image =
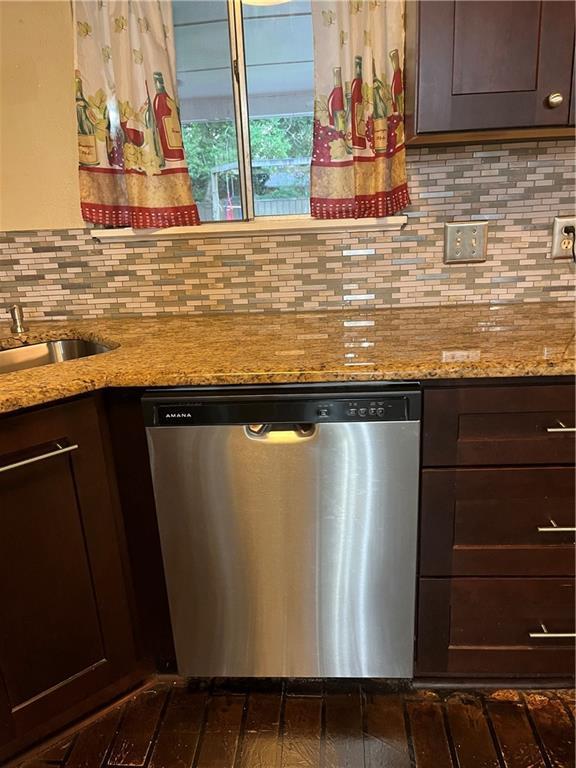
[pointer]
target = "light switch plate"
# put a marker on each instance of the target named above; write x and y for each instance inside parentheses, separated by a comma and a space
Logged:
(559, 238)
(465, 241)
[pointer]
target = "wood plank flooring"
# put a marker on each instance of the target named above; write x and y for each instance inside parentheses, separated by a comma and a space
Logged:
(315, 724)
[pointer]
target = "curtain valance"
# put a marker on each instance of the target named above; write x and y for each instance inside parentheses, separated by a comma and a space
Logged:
(133, 172)
(358, 160)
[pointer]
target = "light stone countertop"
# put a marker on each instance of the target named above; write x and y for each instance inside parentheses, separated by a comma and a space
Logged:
(413, 343)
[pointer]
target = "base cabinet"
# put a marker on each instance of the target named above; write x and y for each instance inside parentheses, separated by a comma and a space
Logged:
(496, 586)
(495, 590)
(65, 619)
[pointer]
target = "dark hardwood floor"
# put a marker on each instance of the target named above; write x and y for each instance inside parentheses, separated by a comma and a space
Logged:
(308, 724)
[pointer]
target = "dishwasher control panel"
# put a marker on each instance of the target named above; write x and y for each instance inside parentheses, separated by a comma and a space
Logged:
(168, 410)
(360, 409)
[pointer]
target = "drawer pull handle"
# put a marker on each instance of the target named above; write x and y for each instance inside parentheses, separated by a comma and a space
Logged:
(554, 528)
(551, 635)
(560, 428)
(58, 452)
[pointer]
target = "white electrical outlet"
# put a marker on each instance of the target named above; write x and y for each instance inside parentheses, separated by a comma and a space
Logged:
(561, 241)
(465, 241)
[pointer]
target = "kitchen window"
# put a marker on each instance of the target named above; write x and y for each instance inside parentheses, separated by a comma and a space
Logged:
(245, 79)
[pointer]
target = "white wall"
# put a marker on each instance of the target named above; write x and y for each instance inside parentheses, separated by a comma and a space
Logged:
(38, 161)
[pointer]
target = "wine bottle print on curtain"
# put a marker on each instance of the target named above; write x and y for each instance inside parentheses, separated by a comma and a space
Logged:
(153, 133)
(358, 159)
(87, 146)
(379, 113)
(336, 107)
(167, 120)
(357, 122)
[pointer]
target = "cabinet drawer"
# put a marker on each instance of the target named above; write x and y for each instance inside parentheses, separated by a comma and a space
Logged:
(499, 425)
(482, 627)
(497, 522)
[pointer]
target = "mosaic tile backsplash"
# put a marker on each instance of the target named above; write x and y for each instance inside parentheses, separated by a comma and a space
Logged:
(518, 188)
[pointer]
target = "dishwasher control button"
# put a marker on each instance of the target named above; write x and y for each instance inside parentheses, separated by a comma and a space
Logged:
(372, 411)
(323, 412)
(380, 411)
(351, 412)
(362, 411)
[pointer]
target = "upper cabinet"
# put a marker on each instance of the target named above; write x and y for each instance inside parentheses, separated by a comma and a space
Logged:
(498, 69)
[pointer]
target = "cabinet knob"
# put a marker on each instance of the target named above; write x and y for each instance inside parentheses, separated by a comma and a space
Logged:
(554, 100)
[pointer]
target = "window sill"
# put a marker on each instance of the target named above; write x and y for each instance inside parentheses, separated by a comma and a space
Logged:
(261, 226)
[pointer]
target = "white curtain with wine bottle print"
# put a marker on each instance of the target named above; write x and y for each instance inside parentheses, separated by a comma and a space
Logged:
(133, 172)
(358, 167)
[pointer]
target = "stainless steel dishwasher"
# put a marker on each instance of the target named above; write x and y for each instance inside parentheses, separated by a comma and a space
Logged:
(288, 525)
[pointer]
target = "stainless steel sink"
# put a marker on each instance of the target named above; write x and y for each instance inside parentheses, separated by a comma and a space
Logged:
(44, 353)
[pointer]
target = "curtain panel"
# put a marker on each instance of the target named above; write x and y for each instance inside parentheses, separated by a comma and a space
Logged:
(133, 172)
(358, 166)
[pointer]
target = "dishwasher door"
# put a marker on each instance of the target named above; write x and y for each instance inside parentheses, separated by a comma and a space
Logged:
(289, 553)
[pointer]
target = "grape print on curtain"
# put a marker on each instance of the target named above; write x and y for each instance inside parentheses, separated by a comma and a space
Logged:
(358, 167)
(131, 158)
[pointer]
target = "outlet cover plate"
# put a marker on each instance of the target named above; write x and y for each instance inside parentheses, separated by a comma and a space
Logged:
(557, 252)
(465, 242)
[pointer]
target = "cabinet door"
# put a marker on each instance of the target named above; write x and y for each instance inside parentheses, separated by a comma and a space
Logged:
(65, 621)
(484, 65)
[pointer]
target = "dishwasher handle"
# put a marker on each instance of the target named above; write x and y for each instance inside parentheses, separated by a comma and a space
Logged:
(262, 431)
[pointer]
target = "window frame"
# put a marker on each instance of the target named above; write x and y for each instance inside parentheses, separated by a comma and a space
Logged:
(250, 224)
(236, 33)
(238, 78)
(241, 114)
(261, 226)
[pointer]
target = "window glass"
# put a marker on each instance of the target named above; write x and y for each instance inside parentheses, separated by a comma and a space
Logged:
(280, 72)
(204, 77)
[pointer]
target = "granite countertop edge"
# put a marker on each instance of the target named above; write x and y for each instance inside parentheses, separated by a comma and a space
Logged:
(76, 388)
(196, 350)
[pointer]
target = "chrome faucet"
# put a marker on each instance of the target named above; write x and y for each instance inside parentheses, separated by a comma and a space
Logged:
(17, 315)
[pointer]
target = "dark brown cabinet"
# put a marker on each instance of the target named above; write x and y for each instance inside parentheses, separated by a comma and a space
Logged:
(496, 587)
(474, 627)
(475, 65)
(498, 426)
(65, 621)
(511, 522)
